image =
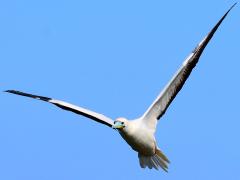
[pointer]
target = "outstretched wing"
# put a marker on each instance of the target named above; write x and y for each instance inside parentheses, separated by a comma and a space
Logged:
(160, 105)
(69, 107)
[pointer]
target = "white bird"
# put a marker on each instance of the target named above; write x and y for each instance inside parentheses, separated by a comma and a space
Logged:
(139, 133)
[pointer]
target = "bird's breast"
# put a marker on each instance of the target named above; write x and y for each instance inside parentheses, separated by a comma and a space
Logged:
(141, 140)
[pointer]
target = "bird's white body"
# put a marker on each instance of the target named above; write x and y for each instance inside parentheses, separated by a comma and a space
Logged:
(142, 140)
(139, 137)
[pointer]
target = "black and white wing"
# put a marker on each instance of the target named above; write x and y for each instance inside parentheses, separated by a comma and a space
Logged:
(160, 105)
(69, 107)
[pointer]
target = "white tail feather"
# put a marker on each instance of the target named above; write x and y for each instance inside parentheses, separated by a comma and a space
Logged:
(155, 161)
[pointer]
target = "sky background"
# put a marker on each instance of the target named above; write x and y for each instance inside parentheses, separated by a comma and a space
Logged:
(114, 57)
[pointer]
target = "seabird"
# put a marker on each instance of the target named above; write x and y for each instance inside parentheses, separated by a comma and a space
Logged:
(140, 133)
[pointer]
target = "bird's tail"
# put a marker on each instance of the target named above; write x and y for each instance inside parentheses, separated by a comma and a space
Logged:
(155, 161)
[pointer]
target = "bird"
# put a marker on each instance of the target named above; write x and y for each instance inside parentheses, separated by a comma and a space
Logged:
(139, 133)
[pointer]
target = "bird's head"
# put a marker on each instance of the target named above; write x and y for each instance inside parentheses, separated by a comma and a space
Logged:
(120, 123)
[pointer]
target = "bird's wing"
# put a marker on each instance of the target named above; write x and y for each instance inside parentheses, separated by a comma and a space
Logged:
(160, 105)
(69, 107)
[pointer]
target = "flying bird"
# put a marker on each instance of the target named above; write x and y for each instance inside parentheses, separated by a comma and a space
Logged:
(140, 133)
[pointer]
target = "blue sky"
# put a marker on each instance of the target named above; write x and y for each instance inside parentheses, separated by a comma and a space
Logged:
(114, 57)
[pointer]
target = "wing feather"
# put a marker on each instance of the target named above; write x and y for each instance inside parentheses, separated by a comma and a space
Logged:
(69, 107)
(162, 102)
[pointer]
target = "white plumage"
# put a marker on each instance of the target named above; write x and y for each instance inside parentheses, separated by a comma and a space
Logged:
(140, 133)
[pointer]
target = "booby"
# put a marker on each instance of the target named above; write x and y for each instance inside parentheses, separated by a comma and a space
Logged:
(140, 133)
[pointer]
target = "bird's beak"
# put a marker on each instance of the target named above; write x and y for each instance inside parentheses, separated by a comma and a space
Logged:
(118, 125)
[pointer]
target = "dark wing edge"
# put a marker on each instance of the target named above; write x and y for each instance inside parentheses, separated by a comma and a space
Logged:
(69, 107)
(162, 102)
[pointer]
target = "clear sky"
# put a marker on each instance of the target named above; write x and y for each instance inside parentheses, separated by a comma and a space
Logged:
(114, 57)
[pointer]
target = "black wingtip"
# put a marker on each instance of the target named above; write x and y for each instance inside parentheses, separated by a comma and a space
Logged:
(28, 95)
(220, 21)
(229, 10)
(199, 49)
(9, 91)
(234, 5)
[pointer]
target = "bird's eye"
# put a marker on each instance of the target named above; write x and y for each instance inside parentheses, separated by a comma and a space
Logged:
(122, 122)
